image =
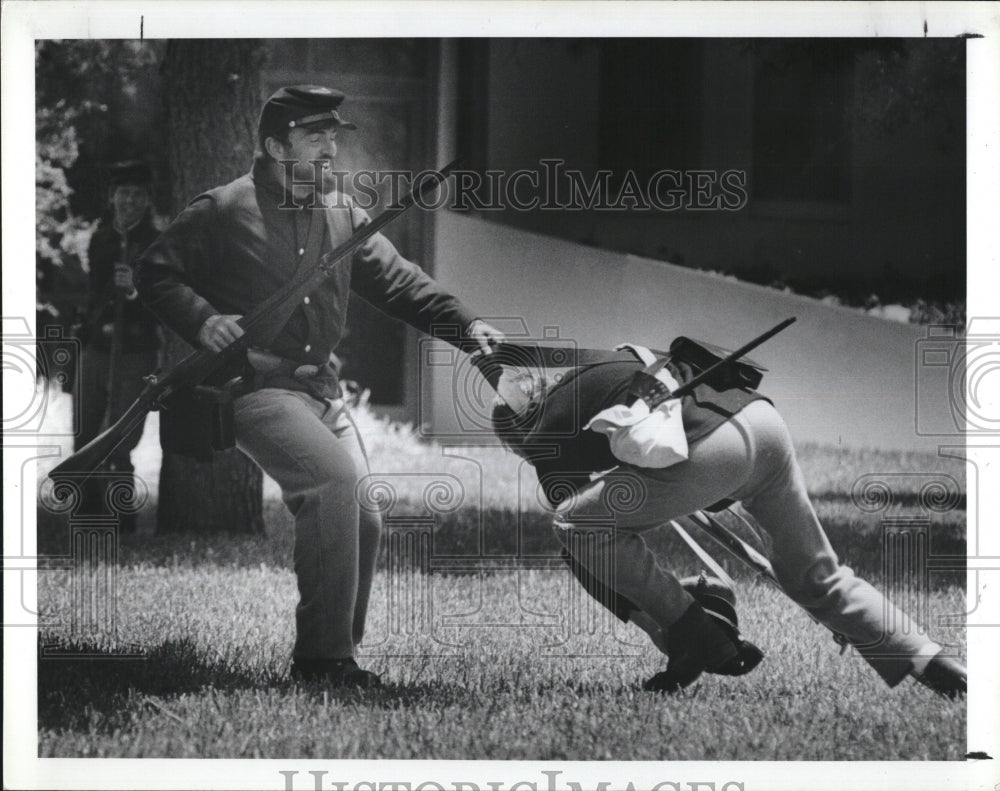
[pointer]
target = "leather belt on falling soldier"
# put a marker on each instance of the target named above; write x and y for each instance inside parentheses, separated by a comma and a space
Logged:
(743, 372)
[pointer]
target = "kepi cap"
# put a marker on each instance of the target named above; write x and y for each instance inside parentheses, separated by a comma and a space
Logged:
(131, 171)
(300, 105)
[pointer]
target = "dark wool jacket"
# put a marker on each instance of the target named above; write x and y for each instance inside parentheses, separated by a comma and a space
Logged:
(107, 248)
(564, 454)
(233, 247)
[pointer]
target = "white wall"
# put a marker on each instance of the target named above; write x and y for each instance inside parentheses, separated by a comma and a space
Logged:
(836, 375)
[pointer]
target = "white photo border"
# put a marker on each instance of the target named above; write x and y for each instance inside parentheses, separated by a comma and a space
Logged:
(23, 22)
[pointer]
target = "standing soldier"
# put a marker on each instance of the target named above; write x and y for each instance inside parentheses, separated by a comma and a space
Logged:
(121, 338)
(229, 250)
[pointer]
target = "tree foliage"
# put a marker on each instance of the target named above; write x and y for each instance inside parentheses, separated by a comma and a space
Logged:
(92, 98)
(59, 231)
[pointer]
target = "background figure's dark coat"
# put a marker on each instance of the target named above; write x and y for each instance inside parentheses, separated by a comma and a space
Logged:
(140, 328)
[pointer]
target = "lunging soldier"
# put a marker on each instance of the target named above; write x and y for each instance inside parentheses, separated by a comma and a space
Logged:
(616, 456)
(226, 252)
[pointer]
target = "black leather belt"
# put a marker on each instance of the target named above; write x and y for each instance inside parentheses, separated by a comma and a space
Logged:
(742, 373)
(267, 369)
(270, 364)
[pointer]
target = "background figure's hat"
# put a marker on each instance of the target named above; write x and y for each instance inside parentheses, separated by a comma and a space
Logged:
(300, 105)
(131, 171)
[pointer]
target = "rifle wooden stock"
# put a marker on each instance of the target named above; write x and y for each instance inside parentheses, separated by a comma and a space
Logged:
(201, 364)
(92, 455)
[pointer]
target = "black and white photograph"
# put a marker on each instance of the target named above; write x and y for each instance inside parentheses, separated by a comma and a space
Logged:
(506, 396)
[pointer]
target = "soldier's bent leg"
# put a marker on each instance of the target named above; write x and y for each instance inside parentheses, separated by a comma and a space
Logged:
(616, 554)
(369, 527)
(312, 452)
(629, 500)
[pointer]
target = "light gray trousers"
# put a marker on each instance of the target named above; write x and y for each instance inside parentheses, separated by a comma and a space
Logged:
(312, 450)
(748, 458)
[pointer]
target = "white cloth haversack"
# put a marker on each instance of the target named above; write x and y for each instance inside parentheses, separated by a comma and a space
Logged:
(642, 437)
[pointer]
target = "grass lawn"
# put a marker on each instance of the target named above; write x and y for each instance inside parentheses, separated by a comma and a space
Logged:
(491, 651)
(510, 665)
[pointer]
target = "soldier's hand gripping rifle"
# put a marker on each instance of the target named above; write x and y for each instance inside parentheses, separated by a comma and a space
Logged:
(201, 364)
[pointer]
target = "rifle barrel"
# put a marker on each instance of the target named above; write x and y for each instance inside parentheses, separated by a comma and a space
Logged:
(200, 364)
(307, 281)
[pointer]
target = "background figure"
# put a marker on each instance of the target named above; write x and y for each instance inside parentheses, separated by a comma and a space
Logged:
(121, 338)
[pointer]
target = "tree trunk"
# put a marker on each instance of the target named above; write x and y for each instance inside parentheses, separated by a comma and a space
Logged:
(212, 100)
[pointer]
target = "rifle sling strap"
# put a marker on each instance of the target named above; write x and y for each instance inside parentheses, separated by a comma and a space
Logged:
(275, 322)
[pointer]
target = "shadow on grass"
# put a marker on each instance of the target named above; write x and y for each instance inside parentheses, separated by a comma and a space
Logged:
(418, 694)
(76, 681)
(394, 696)
(81, 686)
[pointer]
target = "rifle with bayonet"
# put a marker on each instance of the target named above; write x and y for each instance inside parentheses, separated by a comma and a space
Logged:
(200, 365)
(654, 392)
